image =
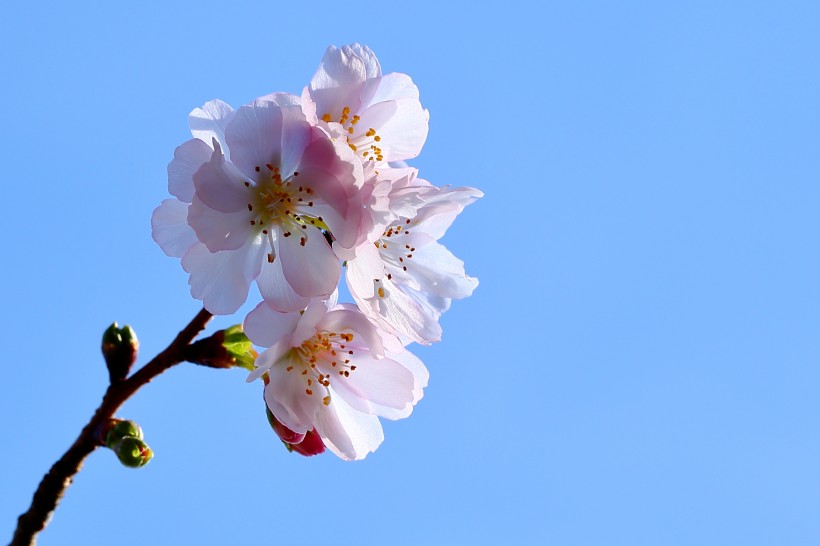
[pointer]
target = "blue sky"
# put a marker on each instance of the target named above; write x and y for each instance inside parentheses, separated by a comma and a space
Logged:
(638, 366)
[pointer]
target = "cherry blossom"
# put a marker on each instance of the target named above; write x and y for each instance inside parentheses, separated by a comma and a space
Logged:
(330, 369)
(263, 200)
(283, 190)
(379, 115)
(404, 279)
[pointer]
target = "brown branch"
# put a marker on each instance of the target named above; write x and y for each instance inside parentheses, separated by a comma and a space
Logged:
(54, 484)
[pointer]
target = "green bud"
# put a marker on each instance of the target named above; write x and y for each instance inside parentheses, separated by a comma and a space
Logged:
(120, 429)
(239, 347)
(133, 452)
(120, 347)
(225, 349)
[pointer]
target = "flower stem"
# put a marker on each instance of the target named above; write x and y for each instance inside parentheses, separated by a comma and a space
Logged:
(59, 477)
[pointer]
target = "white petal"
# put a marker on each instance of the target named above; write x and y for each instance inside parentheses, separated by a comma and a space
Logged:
(372, 68)
(404, 133)
(341, 67)
(400, 313)
(395, 86)
(208, 123)
(333, 299)
(420, 373)
(363, 271)
(348, 433)
(282, 99)
(439, 272)
(170, 229)
(442, 205)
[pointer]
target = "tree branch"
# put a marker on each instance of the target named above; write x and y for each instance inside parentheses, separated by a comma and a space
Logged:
(59, 477)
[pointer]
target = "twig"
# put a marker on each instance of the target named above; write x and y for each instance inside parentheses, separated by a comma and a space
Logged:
(53, 485)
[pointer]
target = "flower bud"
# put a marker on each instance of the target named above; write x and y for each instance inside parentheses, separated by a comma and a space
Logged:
(120, 347)
(311, 445)
(225, 349)
(133, 452)
(284, 433)
(119, 429)
(307, 444)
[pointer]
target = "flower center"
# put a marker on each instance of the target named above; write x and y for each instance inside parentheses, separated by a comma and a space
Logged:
(393, 251)
(282, 203)
(325, 355)
(365, 142)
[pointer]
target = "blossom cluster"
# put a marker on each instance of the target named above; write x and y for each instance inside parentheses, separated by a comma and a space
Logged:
(292, 193)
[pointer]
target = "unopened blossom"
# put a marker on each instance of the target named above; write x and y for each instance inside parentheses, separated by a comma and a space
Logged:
(332, 370)
(379, 116)
(404, 279)
(307, 444)
(262, 200)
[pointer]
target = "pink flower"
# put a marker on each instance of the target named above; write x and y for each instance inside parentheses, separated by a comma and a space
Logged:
(380, 116)
(261, 200)
(403, 279)
(332, 370)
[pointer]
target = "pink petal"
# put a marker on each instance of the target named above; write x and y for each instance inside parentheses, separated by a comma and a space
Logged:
(341, 319)
(275, 289)
(264, 326)
(222, 279)
(265, 133)
(220, 230)
(220, 186)
(297, 134)
(268, 358)
(309, 264)
(385, 386)
(287, 400)
(306, 328)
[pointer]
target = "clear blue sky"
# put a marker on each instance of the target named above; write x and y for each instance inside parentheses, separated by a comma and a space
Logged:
(639, 365)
